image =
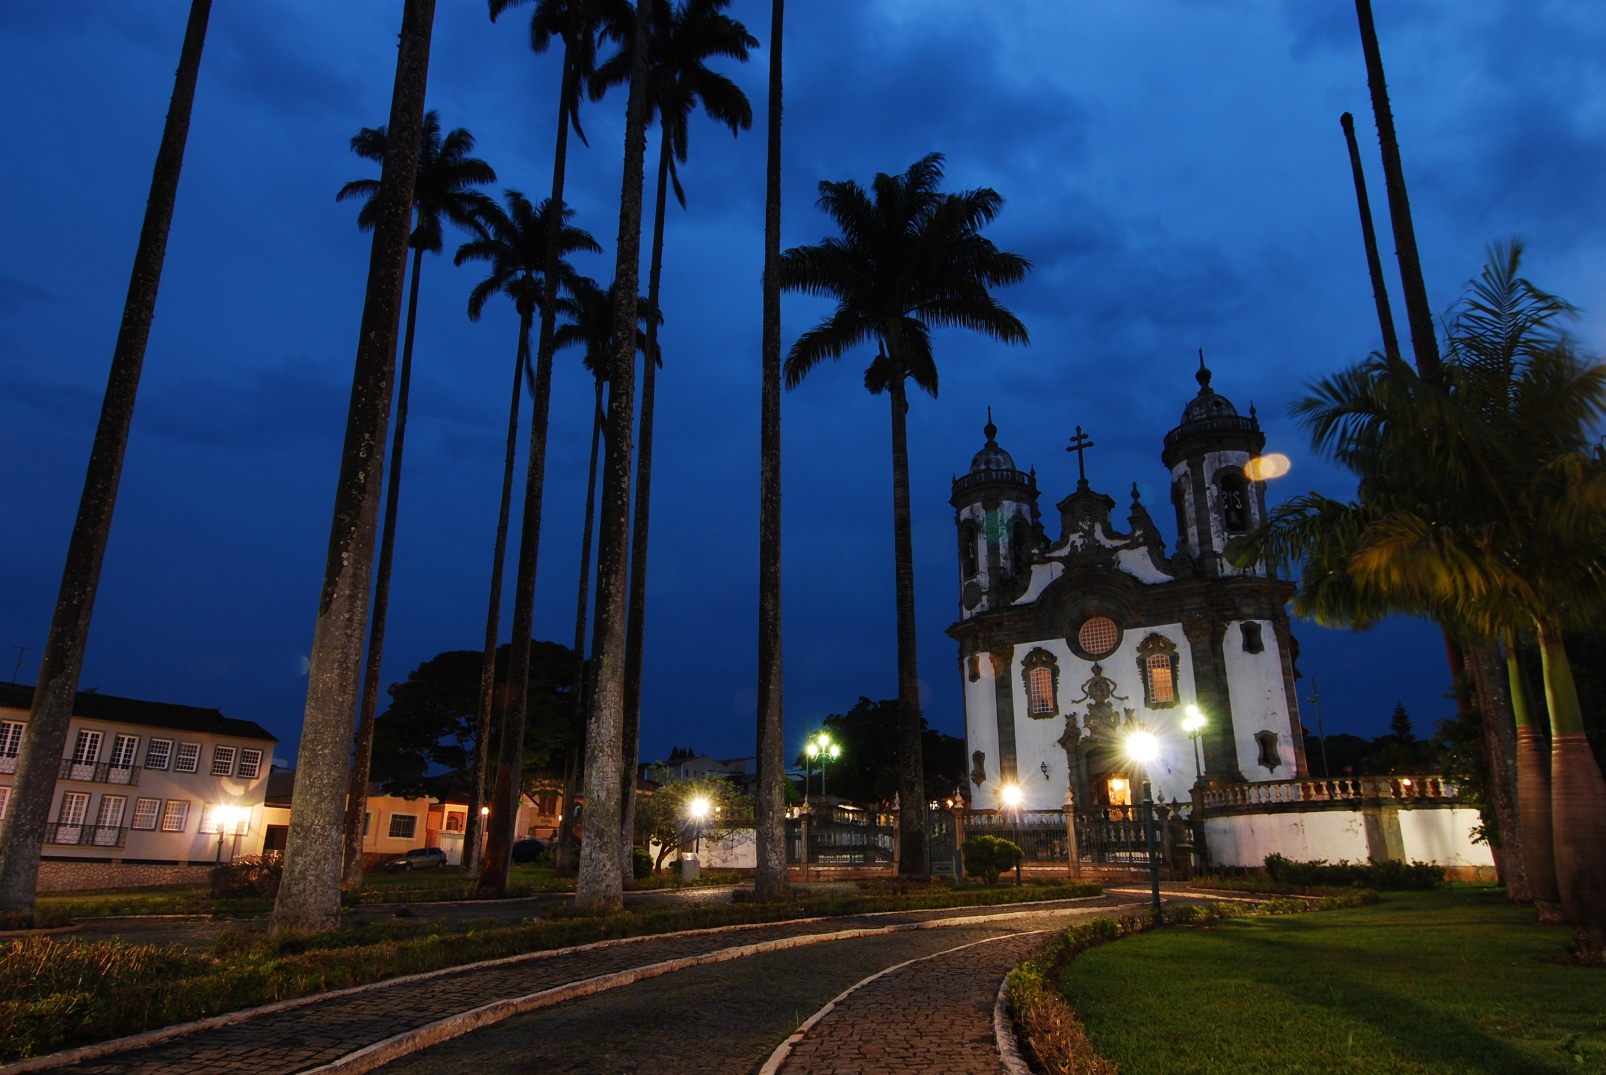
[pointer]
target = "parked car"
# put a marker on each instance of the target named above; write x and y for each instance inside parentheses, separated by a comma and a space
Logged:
(528, 850)
(419, 858)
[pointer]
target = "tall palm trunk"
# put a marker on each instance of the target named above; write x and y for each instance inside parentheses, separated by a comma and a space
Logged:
(1419, 316)
(1533, 794)
(770, 881)
(493, 615)
(601, 883)
(309, 893)
(505, 797)
(911, 782)
(363, 752)
(1577, 806)
(1500, 751)
(22, 832)
(577, 710)
(1374, 263)
(635, 621)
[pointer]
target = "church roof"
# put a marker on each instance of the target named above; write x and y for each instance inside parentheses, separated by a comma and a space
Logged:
(1210, 421)
(991, 456)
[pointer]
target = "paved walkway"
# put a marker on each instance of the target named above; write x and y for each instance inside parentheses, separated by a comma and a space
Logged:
(317, 1033)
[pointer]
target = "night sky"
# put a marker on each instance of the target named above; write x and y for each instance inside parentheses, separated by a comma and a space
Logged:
(1174, 169)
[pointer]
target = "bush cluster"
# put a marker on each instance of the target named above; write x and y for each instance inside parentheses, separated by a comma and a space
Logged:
(988, 856)
(1380, 876)
(248, 876)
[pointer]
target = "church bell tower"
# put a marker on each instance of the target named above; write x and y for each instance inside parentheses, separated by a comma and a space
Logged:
(995, 509)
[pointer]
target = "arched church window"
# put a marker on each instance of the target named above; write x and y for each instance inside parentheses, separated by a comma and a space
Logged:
(969, 557)
(1234, 493)
(1157, 661)
(1269, 757)
(1253, 643)
(1020, 544)
(1042, 673)
(1098, 636)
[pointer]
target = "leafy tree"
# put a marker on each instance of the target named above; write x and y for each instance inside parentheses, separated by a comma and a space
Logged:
(681, 38)
(432, 721)
(666, 815)
(867, 772)
(22, 832)
(445, 187)
(579, 24)
(909, 258)
(515, 244)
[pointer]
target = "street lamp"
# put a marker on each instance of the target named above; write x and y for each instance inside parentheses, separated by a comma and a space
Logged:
(1194, 724)
(1143, 748)
(811, 750)
(225, 818)
(1011, 794)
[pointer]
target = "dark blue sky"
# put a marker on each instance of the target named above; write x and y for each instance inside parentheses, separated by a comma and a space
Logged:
(1173, 168)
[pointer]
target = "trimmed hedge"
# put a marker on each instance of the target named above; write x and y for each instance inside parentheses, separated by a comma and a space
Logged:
(1382, 876)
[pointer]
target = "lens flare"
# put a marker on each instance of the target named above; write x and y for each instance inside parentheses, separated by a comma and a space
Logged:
(1266, 467)
(1142, 747)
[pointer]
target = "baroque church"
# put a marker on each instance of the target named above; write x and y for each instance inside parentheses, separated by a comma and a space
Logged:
(1069, 645)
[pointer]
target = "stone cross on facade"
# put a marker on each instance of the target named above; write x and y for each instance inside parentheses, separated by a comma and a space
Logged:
(1080, 444)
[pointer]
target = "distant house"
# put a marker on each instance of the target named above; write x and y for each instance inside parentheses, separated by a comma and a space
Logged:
(148, 783)
(745, 770)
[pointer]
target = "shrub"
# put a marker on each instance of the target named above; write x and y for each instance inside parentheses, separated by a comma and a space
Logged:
(988, 856)
(41, 917)
(249, 875)
(1383, 876)
(640, 864)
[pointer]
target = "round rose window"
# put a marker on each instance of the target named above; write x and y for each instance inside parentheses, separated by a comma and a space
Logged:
(1098, 636)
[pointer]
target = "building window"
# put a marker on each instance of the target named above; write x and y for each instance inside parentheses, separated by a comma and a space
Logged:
(1269, 757)
(5, 801)
(969, 554)
(1020, 545)
(1098, 636)
(145, 811)
(74, 805)
(222, 761)
(454, 822)
(10, 739)
(86, 751)
(250, 764)
(157, 753)
(109, 820)
(188, 758)
(1253, 643)
(125, 748)
(1157, 663)
(402, 826)
(1041, 672)
(176, 816)
(1234, 495)
(367, 818)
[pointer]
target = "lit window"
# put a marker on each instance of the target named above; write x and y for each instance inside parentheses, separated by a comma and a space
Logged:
(145, 812)
(250, 764)
(1040, 672)
(454, 822)
(158, 753)
(1098, 636)
(222, 761)
(402, 826)
(188, 758)
(1120, 790)
(1042, 681)
(176, 816)
(1161, 688)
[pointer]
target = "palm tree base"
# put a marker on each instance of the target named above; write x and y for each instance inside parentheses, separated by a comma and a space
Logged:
(1579, 808)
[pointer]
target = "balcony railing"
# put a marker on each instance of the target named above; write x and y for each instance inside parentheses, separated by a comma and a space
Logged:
(1221, 423)
(1349, 792)
(98, 773)
(986, 477)
(86, 835)
(8, 763)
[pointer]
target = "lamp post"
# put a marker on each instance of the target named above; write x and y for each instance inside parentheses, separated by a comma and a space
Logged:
(1011, 795)
(225, 817)
(1194, 725)
(811, 750)
(1143, 748)
(1321, 734)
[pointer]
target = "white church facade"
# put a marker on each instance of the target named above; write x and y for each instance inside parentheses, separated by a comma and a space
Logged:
(1069, 646)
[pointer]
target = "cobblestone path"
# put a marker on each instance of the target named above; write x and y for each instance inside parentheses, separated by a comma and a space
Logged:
(293, 1040)
(932, 1016)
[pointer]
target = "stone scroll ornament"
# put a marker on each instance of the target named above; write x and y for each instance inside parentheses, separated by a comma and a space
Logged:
(1097, 693)
(978, 771)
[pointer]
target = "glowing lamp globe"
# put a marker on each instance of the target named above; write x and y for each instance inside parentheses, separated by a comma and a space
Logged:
(812, 750)
(1193, 721)
(698, 808)
(1011, 795)
(1142, 747)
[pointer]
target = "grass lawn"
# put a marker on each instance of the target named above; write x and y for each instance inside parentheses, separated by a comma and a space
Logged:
(1430, 982)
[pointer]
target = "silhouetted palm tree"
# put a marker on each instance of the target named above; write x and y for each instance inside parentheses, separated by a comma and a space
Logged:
(22, 832)
(910, 258)
(601, 881)
(515, 244)
(309, 891)
(769, 811)
(578, 24)
(683, 38)
(445, 187)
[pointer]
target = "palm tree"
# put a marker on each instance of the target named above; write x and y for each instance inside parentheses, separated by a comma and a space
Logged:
(516, 243)
(447, 176)
(309, 892)
(601, 882)
(578, 24)
(909, 258)
(591, 329)
(683, 37)
(769, 814)
(23, 830)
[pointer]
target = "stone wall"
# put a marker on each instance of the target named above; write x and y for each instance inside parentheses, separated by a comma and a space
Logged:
(57, 875)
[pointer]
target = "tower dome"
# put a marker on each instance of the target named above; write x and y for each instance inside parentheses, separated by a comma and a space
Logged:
(991, 456)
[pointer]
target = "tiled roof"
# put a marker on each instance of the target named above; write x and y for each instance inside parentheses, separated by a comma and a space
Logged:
(114, 710)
